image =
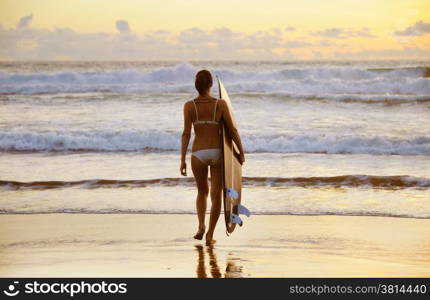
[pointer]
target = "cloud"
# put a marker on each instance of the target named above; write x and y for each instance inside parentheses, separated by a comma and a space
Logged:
(277, 30)
(419, 28)
(24, 21)
(192, 43)
(195, 43)
(290, 28)
(326, 43)
(296, 44)
(227, 40)
(122, 26)
(389, 53)
(342, 33)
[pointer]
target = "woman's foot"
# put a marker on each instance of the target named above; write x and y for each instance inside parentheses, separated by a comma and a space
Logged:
(200, 233)
(209, 240)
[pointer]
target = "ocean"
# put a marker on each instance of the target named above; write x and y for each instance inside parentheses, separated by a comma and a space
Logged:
(321, 138)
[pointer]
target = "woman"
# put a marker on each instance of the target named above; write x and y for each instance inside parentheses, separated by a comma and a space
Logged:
(206, 114)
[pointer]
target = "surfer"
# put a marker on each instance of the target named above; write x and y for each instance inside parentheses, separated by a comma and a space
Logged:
(206, 113)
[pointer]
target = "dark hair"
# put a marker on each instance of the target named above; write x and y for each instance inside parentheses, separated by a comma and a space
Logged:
(203, 81)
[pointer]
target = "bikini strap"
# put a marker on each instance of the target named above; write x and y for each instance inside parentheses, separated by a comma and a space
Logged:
(205, 122)
(195, 107)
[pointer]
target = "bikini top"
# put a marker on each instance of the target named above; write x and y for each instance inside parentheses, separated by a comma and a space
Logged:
(205, 121)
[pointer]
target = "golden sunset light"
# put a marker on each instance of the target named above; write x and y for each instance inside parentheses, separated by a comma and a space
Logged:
(215, 139)
(194, 29)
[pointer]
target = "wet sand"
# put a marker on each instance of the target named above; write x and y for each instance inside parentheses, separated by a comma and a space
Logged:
(138, 245)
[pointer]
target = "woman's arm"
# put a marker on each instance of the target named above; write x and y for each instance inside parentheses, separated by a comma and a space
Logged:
(232, 129)
(186, 135)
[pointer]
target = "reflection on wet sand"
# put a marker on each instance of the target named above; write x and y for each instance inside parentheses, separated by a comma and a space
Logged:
(232, 270)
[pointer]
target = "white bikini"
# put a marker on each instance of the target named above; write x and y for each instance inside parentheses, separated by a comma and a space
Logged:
(211, 155)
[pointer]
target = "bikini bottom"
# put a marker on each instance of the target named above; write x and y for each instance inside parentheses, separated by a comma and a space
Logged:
(208, 156)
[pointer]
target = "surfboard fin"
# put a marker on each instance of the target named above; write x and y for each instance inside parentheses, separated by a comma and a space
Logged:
(243, 210)
(236, 219)
(232, 193)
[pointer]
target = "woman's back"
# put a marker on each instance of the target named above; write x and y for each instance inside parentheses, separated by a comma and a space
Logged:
(206, 115)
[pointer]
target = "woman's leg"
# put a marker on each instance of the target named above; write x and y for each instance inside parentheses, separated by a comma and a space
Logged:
(216, 199)
(200, 171)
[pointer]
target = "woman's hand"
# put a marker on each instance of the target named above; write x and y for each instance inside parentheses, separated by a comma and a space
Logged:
(183, 168)
(242, 158)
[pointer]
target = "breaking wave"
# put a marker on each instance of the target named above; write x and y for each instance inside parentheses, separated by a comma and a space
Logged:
(364, 181)
(334, 80)
(101, 141)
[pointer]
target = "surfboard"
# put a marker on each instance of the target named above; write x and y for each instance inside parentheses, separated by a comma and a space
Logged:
(231, 170)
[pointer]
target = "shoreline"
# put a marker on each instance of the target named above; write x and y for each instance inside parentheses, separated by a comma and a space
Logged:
(207, 213)
(147, 245)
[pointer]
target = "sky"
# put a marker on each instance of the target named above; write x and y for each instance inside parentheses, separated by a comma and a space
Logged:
(214, 30)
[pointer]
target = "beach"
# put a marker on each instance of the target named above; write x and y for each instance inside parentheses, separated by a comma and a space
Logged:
(139, 245)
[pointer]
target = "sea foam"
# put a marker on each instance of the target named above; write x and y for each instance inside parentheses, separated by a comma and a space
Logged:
(329, 80)
(95, 141)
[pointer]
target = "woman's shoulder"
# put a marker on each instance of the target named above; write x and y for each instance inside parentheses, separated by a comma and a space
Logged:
(222, 103)
(188, 107)
(188, 103)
